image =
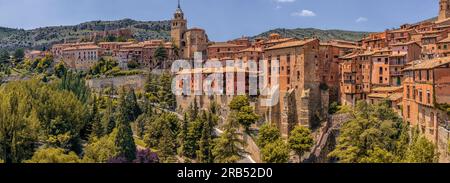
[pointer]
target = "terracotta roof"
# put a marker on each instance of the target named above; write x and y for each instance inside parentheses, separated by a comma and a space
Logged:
(387, 89)
(391, 97)
(254, 49)
(223, 44)
(279, 40)
(213, 70)
(446, 40)
(85, 47)
(401, 54)
(395, 96)
(378, 95)
(400, 30)
(406, 43)
(429, 64)
(291, 44)
(119, 43)
(349, 56)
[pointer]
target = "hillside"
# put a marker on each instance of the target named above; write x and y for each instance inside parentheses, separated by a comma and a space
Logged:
(40, 38)
(323, 35)
(44, 37)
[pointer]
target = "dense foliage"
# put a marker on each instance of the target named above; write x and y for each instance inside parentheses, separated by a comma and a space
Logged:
(376, 134)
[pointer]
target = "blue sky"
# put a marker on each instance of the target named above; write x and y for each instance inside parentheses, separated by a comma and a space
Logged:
(224, 19)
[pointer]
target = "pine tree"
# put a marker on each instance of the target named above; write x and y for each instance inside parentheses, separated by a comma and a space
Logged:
(124, 141)
(167, 146)
(183, 135)
(108, 118)
(132, 107)
(97, 127)
(204, 154)
(228, 148)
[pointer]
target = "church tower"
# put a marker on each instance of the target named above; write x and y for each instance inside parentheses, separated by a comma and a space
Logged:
(178, 27)
(444, 10)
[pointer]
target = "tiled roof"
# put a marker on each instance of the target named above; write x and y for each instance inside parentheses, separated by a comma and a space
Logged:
(279, 40)
(223, 44)
(290, 44)
(404, 44)
(254, 49)
(446, 40)
(429, 64)
(387, 89)
(85, 47)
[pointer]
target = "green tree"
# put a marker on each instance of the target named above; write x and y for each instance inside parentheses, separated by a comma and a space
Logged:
(183, 136)
(204, 154)
(151, 87)
(300, 140)
(422, 151)
(18, 124)
(378, 155)
(60, 69)
(160, 55)
(132, 109)
(97, 129)
(4, 57)
(228, 148)
(19, 54)
(54, 155)
(124, 141)
(247, 116)
(275, 152)
(108, 119)
(75, 83)
(167, 98)
(132, 64)
(267, 133)
(244, 113)
(373, 130)
(239, 102)
(167, 146)
(101, 150)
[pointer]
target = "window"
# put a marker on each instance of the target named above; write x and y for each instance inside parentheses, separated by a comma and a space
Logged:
(428, 75)
(428, 97)
(408, 112)
(288, 59)
(408, 92)
(381, 70)
(420, 95)
(381, 79)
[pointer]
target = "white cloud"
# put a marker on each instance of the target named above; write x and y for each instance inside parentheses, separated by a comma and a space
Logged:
(304, 13)
(362, 19)
(278, 7)
(284, 1)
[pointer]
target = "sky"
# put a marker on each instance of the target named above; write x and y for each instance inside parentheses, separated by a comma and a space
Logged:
(224, 19)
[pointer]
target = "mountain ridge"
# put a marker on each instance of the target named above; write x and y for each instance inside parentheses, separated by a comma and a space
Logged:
(44, 37)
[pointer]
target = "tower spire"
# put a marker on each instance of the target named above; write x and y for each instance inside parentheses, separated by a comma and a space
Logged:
(179, 4)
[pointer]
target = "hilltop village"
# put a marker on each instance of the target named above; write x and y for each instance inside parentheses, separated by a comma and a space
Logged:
(408, 67)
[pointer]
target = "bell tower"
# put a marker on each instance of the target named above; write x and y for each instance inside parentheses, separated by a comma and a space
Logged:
(444, 9)
(178, 26)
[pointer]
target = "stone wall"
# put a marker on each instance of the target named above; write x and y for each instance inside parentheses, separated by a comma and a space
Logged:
(443, 138)
(136, 82)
